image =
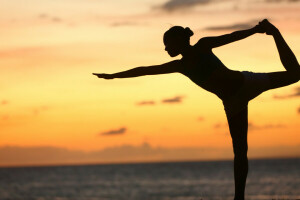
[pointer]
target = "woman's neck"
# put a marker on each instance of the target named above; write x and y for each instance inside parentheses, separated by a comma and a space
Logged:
(187, 51)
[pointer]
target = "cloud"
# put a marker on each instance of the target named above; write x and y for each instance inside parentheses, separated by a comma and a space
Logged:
(220, 125)
(177, 99)
(295, 94)
(44, 16)
(14, 155)
(25, 51)
(252, 126)
(56, 19)
(142, 103)
(4, 102)
(274, 1)
(115, 132)
(237, 26)
(125, 23)
(174, 5)
(4, 117)
(201, 118)
(38, 110)
(45, 155)
(279, 1)
(50, 55)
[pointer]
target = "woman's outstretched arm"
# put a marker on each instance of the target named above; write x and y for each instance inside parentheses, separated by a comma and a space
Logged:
(169, 67)
(217, 41)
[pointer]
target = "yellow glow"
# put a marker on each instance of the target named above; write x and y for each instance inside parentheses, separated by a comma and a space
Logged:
(51, 98)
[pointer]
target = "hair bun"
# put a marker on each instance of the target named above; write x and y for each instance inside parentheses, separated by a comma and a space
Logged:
(188, 31)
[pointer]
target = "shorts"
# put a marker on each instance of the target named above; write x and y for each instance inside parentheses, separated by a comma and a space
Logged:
(254, 84)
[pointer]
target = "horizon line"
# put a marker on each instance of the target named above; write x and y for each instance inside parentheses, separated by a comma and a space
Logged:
(138, 162)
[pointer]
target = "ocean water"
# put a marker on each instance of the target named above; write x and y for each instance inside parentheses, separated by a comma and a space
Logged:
(268, 179)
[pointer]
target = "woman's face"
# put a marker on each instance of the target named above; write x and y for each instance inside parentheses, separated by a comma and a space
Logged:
(172, 46)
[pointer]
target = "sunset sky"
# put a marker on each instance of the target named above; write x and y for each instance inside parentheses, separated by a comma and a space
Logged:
(54, 111)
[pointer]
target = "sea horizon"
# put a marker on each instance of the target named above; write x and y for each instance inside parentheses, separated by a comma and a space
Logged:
(190, 180)
(139, 162)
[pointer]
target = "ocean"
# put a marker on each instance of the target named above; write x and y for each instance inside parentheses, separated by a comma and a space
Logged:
(267, 179)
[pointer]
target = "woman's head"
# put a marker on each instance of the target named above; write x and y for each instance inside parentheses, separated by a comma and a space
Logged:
(176, 39)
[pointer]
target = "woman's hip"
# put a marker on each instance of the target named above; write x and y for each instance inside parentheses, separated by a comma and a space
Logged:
(254, 84)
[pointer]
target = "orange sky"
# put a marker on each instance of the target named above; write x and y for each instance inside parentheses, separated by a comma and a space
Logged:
(50, 99)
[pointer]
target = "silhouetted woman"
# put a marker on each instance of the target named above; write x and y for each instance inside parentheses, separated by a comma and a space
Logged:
(234, 88)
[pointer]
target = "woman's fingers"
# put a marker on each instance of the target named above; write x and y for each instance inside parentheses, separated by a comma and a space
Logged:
(108, 76)
(268, 27)
(259, 28)
(105, 76)
(99, 75)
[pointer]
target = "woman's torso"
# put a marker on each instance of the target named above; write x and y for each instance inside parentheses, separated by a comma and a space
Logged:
(208, 72)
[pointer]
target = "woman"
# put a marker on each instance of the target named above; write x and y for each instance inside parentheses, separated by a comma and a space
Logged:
(234, 88)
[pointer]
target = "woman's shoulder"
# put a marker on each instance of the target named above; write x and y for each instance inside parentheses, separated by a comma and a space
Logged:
(202, 46)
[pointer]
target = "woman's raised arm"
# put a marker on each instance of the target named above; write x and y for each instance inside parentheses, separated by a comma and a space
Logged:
(217, 41)
(169, 67)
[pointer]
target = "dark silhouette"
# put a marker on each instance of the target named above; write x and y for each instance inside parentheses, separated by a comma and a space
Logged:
(234, 88)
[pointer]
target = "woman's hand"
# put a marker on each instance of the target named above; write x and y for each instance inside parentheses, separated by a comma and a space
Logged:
(105, 76)
(268, 28)
(259, 28)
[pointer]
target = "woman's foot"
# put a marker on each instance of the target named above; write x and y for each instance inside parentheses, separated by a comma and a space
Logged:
(269, 28)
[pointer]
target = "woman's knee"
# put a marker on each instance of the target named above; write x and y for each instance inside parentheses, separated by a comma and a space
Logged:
(281, 79)
(295, 77)
(240, 151)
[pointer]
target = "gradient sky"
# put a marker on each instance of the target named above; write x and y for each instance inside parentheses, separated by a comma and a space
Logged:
(49, 99)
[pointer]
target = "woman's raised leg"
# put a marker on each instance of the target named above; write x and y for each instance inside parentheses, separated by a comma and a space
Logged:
(238, 126)
(281, 79)
(287, 57)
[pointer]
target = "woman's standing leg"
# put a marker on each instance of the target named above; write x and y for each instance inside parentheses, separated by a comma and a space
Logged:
(238, 126)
